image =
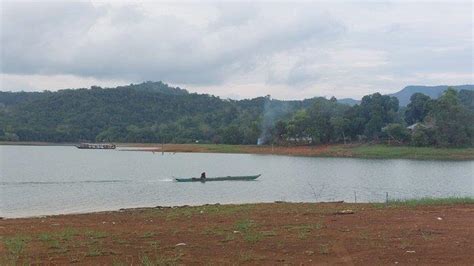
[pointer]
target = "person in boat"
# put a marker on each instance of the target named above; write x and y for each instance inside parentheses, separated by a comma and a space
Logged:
(203, 175)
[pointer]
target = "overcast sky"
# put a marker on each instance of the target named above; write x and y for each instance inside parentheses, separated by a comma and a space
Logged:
(238, 49)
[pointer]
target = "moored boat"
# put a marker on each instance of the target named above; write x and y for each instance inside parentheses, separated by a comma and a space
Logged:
(218, 178)
(99, 146)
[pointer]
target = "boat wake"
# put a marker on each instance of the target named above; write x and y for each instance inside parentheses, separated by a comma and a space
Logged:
(166, 180)
(60, 182)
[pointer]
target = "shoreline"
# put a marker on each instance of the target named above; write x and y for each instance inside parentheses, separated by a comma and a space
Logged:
(141, 208)
(363, 151)
(264, 233)
(396, 202)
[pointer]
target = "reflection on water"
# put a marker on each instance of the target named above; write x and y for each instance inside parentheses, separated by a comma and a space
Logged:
(52, 180)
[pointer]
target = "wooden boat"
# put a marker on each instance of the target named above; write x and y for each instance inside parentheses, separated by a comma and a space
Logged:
(220, 178)
(99, 146)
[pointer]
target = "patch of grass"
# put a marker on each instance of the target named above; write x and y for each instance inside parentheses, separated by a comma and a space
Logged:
(208, 210)
(16, 244)
(118, 262)
(252, 236)
(96, 234)
(244, 225)
(50, 240)
(175, 231)
(53, 244)
(324, 249)
(159, 260)
(381, 151)
(146, 261)
(56, 240)
(214, 231)
(404, 243)
(94, 251)
(228, 237)
(427, 235)
(430, 201)
(245, 256)
(67, 234)
(147, 235)
(304, 230)
(280, 244)
(303, 234)
(75, 257)
(269, 233)
(119, 240)
(154, 244)
(248, 256)
(248, 229)
(222, 148)
(364, 235)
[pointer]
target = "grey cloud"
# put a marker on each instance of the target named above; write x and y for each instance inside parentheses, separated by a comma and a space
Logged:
(36, 37)
(67, 39)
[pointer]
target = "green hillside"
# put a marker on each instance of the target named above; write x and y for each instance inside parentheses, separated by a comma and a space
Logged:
(156, 112)
(147, 112)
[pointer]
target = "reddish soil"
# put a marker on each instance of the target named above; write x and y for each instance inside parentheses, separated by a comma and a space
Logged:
(295, 150)
(269, 234)
(281, 150)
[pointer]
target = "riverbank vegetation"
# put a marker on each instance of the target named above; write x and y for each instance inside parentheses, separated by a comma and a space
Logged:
(431, 201)
(153, 112)
(267, 234)
(443, 122)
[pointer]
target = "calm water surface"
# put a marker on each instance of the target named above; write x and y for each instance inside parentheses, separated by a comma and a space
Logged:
(54, 179)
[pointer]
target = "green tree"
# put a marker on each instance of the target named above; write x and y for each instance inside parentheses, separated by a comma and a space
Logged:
(397, 132)
(418, 108)
(232, 135)
(375, 112)
(454, 124)
(423, 136)
(340, 125)
(466, 97)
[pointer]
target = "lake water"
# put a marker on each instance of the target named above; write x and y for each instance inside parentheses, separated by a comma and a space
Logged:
(63, 179)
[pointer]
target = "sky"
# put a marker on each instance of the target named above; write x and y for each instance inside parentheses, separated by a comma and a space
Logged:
(290, 50)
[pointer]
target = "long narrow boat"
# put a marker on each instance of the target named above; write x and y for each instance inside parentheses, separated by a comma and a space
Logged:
(98, 146)
(220, 178)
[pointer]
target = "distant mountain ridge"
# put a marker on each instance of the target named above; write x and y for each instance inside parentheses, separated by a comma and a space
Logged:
(348, 101)
(404, 95)
(13, 98)
(433, 91)
(157, 86)
(8, 98)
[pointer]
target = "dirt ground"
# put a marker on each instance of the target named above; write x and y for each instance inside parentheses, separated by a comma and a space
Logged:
(253, 149)
(369, 151)
(252, 234)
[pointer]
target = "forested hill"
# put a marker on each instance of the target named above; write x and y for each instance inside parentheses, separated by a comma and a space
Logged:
(147, 112)
(156, 112)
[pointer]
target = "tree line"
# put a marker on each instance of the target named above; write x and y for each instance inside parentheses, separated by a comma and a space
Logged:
(446, 121)
(154, 112)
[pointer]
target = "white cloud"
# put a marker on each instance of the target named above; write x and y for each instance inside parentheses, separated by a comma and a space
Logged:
(34, 82)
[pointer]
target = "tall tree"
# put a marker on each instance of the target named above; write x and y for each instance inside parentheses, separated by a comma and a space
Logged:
(418, 108)
(454, 124)
(377, 111)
